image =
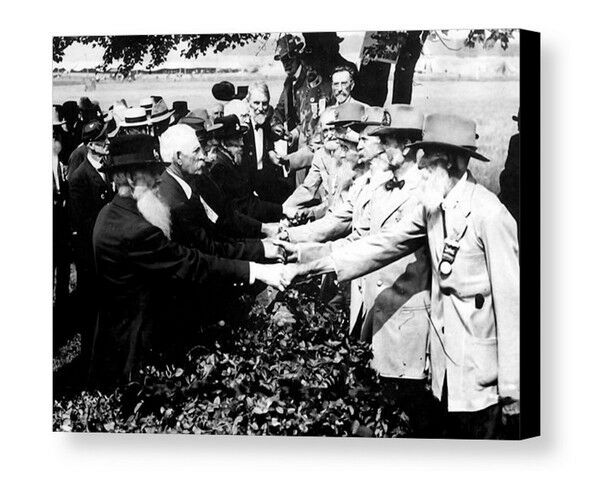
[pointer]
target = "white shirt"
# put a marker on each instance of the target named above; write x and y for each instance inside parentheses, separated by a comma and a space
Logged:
(258, 134)
(188, 191)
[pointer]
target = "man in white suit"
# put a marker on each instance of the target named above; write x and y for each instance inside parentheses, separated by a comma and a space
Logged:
(472, 239)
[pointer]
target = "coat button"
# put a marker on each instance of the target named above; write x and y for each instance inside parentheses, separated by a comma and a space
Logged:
(379, 282)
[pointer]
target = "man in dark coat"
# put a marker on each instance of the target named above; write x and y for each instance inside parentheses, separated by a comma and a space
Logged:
(135, 260)
(90, 190)
(260, 162)
(509, 177)
(228, 173)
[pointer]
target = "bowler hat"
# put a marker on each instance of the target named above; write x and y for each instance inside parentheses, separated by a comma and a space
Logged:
(401, 119)
(347, 114)
(94, 131)
(287, 46)
(450, 132)
(133, 151)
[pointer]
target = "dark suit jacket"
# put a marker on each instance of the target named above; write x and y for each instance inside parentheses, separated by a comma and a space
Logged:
(88, 194)
(77, 158)
(269, 182)
(236, 186)
(231, 222)
(509, 179)
(135, 262)
(191, 226)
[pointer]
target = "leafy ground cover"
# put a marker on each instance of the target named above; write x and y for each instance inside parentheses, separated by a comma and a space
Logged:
(290, 369)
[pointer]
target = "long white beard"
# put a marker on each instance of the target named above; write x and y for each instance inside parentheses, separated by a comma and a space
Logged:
(434, 189)
(153, 209)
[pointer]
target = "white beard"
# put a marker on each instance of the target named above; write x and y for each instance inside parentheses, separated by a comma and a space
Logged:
(435, 188)
(153, 209)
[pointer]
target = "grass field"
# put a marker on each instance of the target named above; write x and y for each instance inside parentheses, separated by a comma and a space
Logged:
(490, 103)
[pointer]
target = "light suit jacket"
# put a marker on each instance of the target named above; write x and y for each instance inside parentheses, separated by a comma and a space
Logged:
(397, 296)
(345, 222)
(474, 337)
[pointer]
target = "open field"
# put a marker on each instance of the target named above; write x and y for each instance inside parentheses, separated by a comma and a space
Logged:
(490, 103)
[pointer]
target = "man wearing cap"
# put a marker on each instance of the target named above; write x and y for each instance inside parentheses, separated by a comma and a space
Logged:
(227, 172)
(472, 238)
(89, 191)
(136, 260)
(305, 95)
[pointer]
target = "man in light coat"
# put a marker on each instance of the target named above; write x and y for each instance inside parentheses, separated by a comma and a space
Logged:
(472, 238)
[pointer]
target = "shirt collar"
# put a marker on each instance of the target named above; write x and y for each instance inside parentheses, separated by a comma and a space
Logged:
(96, 164)
(453, 196)
(187, 188)
(297, 73)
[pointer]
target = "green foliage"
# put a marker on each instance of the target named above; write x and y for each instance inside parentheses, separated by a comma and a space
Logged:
(289, 370)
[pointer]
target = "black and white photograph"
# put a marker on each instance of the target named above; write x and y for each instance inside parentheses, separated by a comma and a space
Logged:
(294, 233)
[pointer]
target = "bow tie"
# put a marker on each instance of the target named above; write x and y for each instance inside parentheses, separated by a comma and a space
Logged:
(394, 183)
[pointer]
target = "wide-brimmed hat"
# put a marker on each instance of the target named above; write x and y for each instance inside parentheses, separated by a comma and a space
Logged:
(226, 127)
(450, 132)
(160, 111)
(180, 109)
(134, 117)
(288, 45)
(347, 114)
(94, 131)
(401, 119)
(146, 103)
(372, 116)
(197, 123)
(132, 151)
(57, 121)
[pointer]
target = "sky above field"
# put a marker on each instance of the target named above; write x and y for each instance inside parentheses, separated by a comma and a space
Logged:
(260, 53)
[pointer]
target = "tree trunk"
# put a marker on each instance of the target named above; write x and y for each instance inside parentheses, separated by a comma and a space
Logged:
(372, 84)
(406, 65)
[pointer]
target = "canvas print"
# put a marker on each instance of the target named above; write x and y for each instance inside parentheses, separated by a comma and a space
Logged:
(295, 233)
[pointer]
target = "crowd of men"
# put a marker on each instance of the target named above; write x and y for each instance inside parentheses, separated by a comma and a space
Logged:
(175, 217)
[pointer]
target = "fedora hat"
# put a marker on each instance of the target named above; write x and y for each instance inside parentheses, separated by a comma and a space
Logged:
(94, 131)
(57, 121)
(401, 118)
(180, 109)
(347, 114)
(134, 117)
(146, 103)
(227, 127)
(287, 46)
(160, 111)
(132, 151)
(373, 116)
(197, 123)
(450, 132)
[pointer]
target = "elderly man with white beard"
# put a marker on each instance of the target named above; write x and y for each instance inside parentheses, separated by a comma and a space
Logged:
(136, 260)
(472, 238)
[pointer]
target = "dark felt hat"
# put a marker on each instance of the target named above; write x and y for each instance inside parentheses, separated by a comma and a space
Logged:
(225, 91)
(226, 127)
(133, 151)
(288, 45)
(94, 131)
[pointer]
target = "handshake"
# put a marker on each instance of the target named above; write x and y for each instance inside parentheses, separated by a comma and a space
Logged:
(279, 276)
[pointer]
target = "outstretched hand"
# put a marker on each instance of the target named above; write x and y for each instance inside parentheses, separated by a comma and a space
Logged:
(290, 249)
(274, 251)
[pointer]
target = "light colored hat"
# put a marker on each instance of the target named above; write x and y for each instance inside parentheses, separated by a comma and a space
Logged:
(135, 117)
(450, 132)
(147, 103)
(372, 116)
(400, 118)
(160, 111)
(348, 113)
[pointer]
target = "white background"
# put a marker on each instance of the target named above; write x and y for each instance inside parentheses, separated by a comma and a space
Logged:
(573, 257)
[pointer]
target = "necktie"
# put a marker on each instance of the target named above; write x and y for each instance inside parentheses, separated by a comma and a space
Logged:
(394, 183)
(289, 104)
